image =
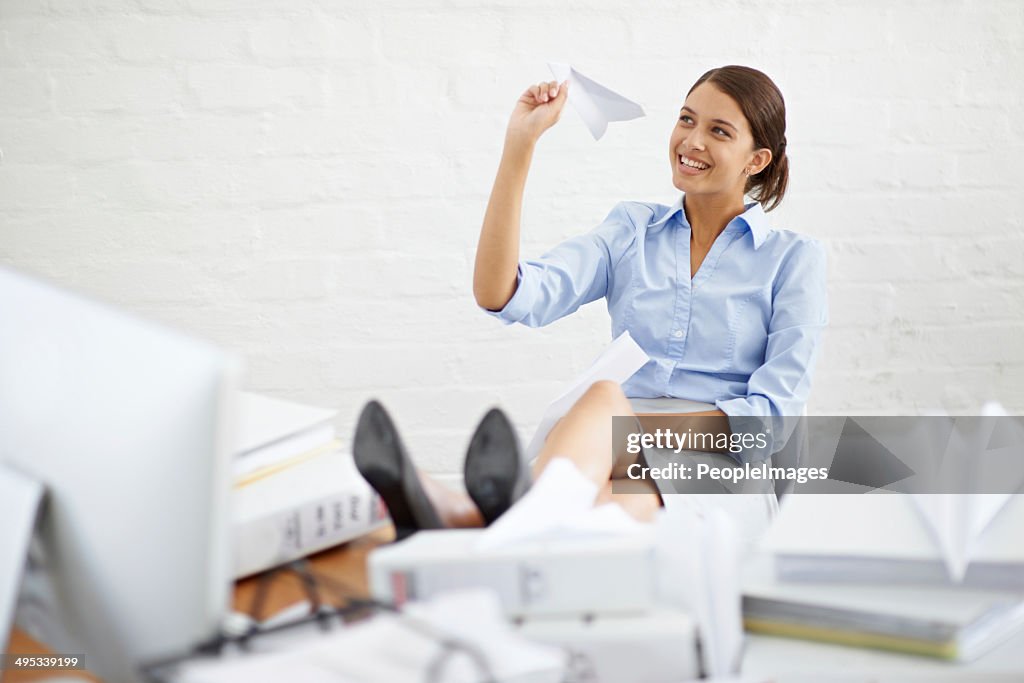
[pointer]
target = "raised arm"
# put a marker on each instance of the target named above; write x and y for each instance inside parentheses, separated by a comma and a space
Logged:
(497, 254)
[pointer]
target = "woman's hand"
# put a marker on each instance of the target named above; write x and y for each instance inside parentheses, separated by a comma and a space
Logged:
(538, 109)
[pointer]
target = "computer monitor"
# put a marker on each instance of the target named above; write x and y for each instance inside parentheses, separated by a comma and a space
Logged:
(129, 426)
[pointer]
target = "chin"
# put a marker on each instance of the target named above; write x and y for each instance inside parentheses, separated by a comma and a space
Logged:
(681, 183)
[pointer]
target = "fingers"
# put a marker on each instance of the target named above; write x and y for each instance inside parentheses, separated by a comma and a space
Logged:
(546, 91)
(539, 107)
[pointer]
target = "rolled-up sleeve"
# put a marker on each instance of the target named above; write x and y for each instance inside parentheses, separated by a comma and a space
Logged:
(779, 388)
(570, 275)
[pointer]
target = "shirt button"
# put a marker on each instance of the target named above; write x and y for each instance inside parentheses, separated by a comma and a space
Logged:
(678, 334)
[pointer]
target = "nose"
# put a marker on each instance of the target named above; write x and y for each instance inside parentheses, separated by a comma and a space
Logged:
(694, 140)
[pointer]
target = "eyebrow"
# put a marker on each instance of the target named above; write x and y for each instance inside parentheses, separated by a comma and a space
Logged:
(685, 108)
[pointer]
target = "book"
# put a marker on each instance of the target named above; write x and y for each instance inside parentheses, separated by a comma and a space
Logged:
(272, 430)
(290, 510)
(885, 538)
(953, 624)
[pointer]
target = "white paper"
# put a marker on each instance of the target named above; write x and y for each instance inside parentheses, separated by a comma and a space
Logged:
(698, 572)
(596, 104)
(272, 432)
(617, 363)
(265, 420)
(957, 520)
(475, 616)
(19, 504)
(560, 503)
(402, 647)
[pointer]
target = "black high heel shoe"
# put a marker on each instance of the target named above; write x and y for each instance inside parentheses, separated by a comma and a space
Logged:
(384, 463)
(496, 473)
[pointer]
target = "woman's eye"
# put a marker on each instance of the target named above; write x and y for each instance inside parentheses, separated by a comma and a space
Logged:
(689, 121)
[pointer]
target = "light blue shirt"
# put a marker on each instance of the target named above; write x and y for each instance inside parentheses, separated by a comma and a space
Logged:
(743, 334)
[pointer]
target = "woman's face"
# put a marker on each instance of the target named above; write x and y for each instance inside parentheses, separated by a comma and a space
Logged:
(714, 137)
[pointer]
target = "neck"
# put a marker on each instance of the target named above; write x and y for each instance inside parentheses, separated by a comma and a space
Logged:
(708, 216)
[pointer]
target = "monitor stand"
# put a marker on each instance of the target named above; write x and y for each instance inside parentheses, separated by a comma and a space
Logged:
(20, 497)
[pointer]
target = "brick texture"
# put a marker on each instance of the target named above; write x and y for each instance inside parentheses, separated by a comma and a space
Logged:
(303, 182)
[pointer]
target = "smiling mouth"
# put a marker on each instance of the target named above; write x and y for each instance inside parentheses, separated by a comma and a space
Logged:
(692, 164)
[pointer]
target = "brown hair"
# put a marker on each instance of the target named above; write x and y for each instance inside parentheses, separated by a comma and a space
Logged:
(762, 104)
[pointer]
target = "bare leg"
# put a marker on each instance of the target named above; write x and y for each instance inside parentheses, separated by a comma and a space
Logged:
(454, 507)
(584, 436)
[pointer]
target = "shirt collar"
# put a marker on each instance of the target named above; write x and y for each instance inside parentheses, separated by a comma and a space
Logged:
(677, 207)
(753, 216)
(757, 222)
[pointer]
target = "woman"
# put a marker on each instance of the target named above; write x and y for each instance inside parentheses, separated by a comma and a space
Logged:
(729, 310)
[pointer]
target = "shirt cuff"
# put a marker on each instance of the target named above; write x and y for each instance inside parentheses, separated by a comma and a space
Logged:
(521, 303)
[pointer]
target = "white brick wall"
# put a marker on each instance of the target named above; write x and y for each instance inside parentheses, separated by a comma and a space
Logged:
(303, 182)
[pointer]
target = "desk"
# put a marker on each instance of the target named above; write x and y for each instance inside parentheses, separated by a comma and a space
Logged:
(795, 660)
(346, 563)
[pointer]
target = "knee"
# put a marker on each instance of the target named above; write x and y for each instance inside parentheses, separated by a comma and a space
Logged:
(606, 390)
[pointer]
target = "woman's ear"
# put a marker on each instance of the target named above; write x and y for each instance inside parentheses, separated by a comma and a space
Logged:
(759, 161)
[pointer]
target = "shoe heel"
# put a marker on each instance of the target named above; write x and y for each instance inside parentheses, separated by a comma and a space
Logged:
(383, 462)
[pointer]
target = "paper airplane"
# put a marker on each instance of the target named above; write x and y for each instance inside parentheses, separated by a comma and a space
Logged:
(957, 520)
(596, 104)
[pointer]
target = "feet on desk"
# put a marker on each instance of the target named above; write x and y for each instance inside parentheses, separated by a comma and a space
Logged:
(384, 463)
(496, 473)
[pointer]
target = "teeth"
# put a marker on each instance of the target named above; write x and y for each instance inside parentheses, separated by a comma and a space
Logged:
(693, 164)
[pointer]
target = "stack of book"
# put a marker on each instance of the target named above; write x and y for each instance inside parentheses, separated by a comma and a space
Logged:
(870, 571)
(296, 490)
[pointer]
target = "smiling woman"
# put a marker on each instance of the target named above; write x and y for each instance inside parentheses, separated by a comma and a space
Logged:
(740, 326)
(729, 309)
(742, 111)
